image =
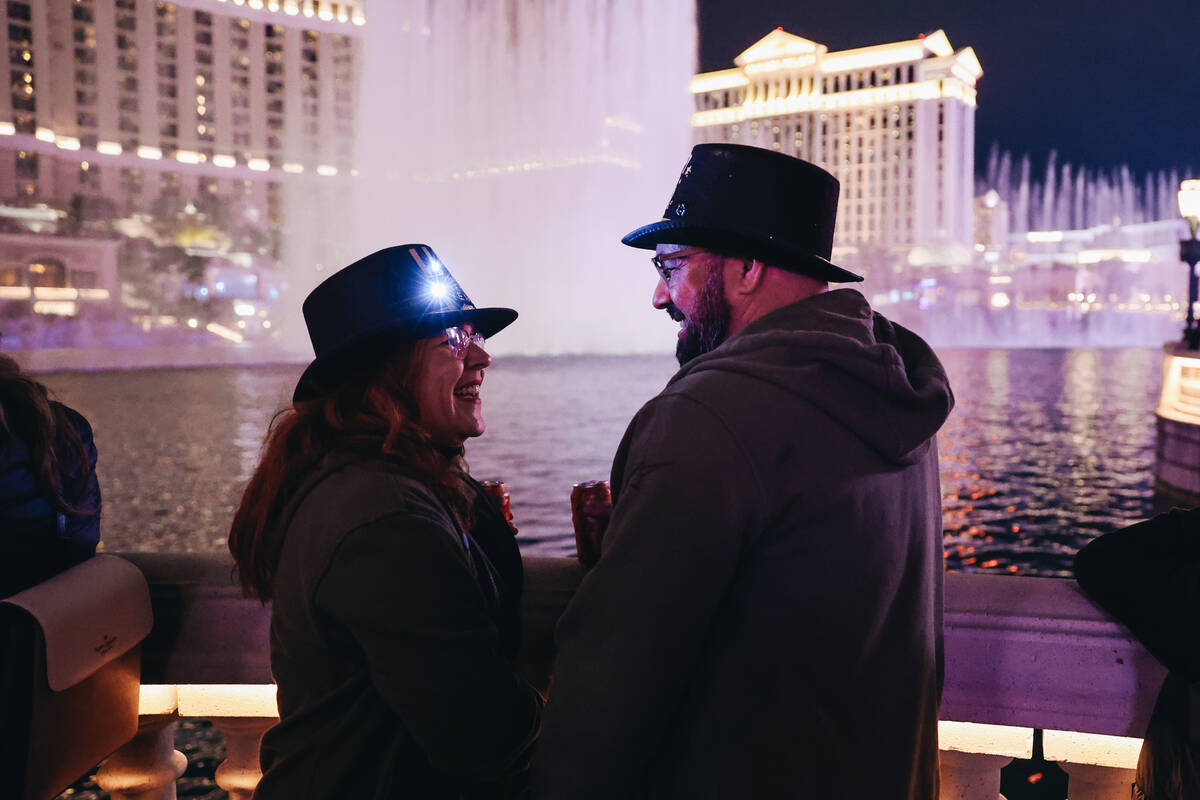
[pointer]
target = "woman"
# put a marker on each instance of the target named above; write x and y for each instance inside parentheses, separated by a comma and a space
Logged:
(394, 579)
(49, 495)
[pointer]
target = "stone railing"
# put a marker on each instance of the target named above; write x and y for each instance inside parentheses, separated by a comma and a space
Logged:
(1021, 653)
(1026, 653)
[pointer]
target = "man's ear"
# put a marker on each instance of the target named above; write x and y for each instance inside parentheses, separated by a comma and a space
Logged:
(748, 275)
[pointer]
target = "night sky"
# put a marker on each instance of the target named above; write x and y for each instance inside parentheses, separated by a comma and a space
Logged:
(1104, 83)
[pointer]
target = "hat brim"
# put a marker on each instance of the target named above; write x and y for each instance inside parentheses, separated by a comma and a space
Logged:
(325, 372)
(776, 254)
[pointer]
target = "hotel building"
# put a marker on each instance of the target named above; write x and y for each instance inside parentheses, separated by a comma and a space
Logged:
(121, 108)
(895, 123)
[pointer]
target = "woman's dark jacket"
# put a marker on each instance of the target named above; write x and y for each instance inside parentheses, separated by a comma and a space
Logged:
(36, 540)
(393, 634)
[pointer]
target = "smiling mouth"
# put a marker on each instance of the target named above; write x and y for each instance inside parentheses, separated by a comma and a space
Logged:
(468, 392)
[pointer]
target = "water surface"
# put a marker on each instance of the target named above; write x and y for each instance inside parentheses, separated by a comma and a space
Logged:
(1045, 450)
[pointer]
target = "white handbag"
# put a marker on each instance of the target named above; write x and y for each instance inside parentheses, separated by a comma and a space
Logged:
(70, 674)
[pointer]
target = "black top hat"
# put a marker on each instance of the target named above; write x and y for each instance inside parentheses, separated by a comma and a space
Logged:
(748, 201)
(362, 311)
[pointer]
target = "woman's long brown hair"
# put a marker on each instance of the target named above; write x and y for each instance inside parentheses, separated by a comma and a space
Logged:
(57, 454)
(371, 414)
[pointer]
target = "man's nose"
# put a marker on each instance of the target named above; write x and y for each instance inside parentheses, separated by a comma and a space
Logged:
(661, 297)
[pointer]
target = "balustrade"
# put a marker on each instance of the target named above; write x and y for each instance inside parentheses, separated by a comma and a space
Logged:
(1021, 653)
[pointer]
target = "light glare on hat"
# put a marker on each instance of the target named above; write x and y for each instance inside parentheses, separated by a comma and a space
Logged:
(438, 290)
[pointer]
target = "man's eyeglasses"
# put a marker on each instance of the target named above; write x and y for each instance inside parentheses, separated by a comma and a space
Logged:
(459, 340)
(667, 263)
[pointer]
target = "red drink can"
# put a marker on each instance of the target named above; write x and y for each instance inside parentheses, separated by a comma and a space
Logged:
(591, 509)
(499, 492)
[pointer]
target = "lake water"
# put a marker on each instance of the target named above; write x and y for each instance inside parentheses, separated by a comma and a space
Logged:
(1045, 450)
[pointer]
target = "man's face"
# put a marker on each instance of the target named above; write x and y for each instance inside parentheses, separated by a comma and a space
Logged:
(691, 288)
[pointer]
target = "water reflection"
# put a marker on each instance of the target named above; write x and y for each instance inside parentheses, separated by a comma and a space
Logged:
(1045, 449)
(1065, 456)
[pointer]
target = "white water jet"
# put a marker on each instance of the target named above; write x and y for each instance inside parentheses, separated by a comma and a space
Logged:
(521, 139)
(1077, 198)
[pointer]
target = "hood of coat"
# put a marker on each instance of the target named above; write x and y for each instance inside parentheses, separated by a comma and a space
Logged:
(878, 379)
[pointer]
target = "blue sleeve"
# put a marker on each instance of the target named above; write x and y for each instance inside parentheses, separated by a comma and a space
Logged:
(84, 529)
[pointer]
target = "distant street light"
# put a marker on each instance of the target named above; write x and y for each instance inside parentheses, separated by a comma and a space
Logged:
(1189, 252)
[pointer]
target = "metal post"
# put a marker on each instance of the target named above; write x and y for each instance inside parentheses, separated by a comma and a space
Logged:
(1189, 253)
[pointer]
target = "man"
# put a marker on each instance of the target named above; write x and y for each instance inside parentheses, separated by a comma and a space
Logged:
(765, 617)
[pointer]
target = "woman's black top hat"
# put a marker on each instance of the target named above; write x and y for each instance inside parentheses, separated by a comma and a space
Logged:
(747, 201)
(364, 310)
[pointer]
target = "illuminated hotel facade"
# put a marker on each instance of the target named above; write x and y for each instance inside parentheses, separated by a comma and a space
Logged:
(895, 123)
(121, 114)
(131, 99)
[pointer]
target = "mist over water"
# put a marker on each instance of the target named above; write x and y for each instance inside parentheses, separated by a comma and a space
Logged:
(521, 140)
(1078, 257)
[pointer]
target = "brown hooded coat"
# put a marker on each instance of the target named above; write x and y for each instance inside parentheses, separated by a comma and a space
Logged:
(765, 620)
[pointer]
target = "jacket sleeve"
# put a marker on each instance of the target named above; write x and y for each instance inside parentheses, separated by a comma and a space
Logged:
(1148, 576)
(402, 587)
(84, 529)
(628, 642)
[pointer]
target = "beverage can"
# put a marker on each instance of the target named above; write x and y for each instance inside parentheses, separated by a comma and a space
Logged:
(591, 509)
(498, 491)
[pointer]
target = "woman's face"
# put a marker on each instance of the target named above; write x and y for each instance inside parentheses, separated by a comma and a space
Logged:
(447, 390)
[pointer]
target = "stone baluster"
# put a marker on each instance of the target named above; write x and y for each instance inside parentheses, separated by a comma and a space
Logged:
(239, 773)
(147, 766)
(242, 713)
(1100, 767)
(972, 754)
(1092, 782)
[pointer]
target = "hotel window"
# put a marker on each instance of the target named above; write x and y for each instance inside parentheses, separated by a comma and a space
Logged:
(131, 180)
(48, 272)
(20, 35)
(27, 165)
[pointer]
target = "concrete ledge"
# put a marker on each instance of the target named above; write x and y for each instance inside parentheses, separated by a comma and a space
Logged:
(207, 632)
(1025, 652)
(1037, 653)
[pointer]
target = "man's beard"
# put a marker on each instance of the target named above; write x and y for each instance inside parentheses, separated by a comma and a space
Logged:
(708, 324)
